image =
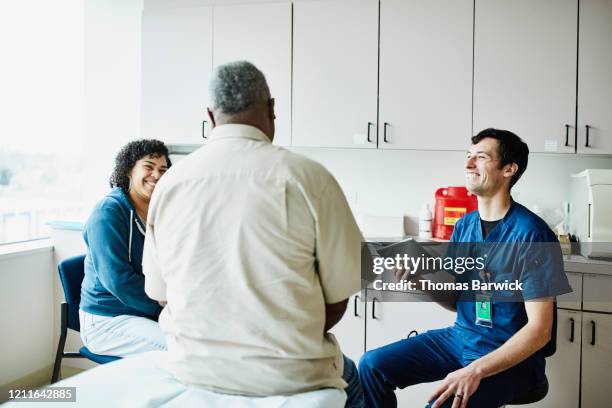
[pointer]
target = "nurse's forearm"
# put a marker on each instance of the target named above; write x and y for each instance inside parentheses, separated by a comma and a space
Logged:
(519, 347)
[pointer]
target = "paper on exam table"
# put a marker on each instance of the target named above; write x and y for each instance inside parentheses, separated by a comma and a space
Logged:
(142, 381)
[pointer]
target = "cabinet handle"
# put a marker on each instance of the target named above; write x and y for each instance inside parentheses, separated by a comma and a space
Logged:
(355, 305)
(589, 223)
(571, 339)
(587, 136)
(567, 135)
(369, 124)
(385, 132)
(374, 308)
(416, 333)
(204, 122)
(592, 333)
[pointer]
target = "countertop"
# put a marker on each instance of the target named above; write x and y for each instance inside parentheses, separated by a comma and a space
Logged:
(581, 264)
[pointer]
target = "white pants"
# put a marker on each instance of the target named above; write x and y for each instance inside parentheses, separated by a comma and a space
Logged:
(120, 335)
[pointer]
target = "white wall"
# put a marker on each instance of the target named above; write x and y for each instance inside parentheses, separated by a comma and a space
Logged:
(393, 183)
(112, 87)
(26, 296)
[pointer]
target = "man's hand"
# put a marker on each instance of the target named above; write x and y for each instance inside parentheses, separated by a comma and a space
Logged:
(460, 385)
(163, 303)
(333, 313)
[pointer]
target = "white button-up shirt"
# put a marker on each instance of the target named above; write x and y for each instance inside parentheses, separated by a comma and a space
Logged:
(247, 242)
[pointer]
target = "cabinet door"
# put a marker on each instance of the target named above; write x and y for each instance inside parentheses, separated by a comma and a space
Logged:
(350, 330)
(597, 293)
(596, 359)
(335, 70)
(176, 68)
(572, 300)
(562, 368)
(594, 79)
(261, 34)
(426, 74)
(389, 322)
(525, 70)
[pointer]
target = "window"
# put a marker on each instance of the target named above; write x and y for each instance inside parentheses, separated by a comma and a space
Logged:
(41, 105)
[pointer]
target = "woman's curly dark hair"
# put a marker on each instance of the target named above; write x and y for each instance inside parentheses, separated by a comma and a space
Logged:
(130, 154)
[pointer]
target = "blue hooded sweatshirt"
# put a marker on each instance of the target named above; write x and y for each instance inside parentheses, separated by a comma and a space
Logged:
(114, 283)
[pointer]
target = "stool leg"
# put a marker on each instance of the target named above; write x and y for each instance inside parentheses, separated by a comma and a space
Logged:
(57, 365)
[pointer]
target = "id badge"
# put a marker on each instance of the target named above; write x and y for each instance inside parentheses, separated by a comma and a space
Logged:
(483, 310)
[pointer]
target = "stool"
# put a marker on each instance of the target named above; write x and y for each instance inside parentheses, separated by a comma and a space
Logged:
(535, 395)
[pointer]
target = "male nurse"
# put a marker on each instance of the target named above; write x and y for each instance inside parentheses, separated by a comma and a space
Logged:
(495, 351)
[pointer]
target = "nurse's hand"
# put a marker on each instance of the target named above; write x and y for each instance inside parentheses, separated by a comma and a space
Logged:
(458, 385)
(402, 274)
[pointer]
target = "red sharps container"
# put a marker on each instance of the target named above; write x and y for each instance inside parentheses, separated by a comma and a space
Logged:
(452, 203)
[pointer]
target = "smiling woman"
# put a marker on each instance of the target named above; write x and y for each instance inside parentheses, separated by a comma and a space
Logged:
(138, 167)
(117, 318)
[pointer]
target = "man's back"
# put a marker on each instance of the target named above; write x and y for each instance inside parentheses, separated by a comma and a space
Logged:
(248, 242)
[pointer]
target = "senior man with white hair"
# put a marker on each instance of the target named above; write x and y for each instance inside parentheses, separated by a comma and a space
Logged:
(256, 252)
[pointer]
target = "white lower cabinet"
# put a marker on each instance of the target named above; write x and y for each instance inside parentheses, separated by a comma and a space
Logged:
(350, 331)
(578, 373)
(563, 367)
(596, 360)
(388, 322)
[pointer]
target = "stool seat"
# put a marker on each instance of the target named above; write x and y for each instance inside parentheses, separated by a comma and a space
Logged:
(535, 395)
(97, 358)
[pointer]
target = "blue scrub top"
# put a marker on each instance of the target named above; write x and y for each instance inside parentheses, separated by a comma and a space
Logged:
(511, 254)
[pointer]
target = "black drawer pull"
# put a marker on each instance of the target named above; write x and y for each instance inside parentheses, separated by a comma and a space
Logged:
(385, 132)
(374, 308)
(355, 305)
(572, 323)
(587, 136)
(369, 125)
(567, 135)
(592, 333)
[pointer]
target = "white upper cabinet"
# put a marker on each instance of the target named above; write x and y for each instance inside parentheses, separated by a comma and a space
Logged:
(426, 74)
(335, 70)
(525, 70)
(595, 78)
(261, 34)
(176, 68)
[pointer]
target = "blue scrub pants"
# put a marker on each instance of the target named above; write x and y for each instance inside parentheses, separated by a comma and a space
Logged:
(430, 357)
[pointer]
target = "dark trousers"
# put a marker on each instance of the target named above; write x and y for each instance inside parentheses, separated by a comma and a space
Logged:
(430, 357)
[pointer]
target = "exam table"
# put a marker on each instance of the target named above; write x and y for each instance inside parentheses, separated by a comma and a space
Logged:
(141, 381)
